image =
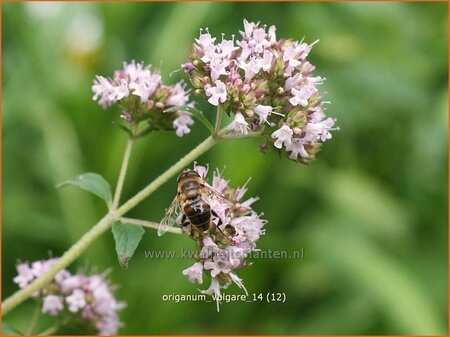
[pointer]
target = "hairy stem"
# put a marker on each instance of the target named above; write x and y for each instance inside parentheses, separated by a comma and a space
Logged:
(102, 226)
(148, 224)
(123, 171)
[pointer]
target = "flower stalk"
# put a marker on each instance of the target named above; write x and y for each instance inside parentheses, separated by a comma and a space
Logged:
(123, 170)
(148, 224)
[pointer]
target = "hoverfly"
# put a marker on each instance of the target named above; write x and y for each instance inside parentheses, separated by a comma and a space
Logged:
(194, 198)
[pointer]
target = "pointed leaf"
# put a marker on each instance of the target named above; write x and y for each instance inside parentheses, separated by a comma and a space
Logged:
(194, 112)
(127, 238)
(91, 182)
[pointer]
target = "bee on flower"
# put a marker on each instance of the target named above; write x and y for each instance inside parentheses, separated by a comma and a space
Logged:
(143, 97)
(266, 85)
(223, 225)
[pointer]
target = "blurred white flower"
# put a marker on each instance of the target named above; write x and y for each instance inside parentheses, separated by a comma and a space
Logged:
(84, 34)
(87, 297)
(52, 305)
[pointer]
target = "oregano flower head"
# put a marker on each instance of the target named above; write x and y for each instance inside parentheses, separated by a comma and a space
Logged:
(143, 97)
(82, 299)
(266, 84)
(224, 250)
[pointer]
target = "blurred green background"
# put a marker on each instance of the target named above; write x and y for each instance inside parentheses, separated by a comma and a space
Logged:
(370, 213)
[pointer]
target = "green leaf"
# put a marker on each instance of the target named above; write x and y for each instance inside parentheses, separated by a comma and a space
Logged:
(196, 113)
(7, 329)
(91, 182)
(127, 238)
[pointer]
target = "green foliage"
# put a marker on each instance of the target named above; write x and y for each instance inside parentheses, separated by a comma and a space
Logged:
(7, 330)
(91, 182)
(370, 212)
(127, 238)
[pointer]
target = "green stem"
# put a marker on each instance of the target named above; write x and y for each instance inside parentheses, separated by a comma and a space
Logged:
(148, 224)
(102, 226)
(218, 120)
(123, 171)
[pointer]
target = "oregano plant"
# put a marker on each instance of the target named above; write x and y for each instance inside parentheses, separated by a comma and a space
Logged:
(268, 87)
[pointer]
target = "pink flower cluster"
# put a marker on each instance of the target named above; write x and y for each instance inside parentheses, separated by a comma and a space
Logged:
(266, 84)
(143, 97)
(89, 298)
(224, 251)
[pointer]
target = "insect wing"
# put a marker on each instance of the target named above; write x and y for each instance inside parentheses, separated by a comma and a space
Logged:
(212, 196)
(170, 218)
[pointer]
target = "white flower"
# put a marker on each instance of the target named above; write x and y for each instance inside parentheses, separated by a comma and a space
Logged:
(248, 228)
(41, 267)
(61, 276)
(201, 170)
(239, 125)
(251, 68)
(76, 301)
(303, 95)
(209, 52)
(136, 71)
(248, 28)
(182, 123)
(91, 296)
(237, 255)
(319, 130)
(108, 325)
(71, 283)
(25, 275)
(245, 51)
(120, 91)
(209, 247)
(144, 89)
(283, 136)
(102, 89)
(218, 265)
(52, 305)
(218, 68)
(141, 90)
(292, 81)
(217, 94)
(226, 48)
(263, 111)
(272, 35)
(179, 96)
(317, 115)
(266, 62)
(194, 273)
(297, 148)
(238, 282)
(205, 40)
(259, 41)
(214, 289)
(219, 184)
(290, 55)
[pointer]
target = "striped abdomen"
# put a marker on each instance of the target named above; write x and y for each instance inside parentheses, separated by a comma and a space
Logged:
(199, 213)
